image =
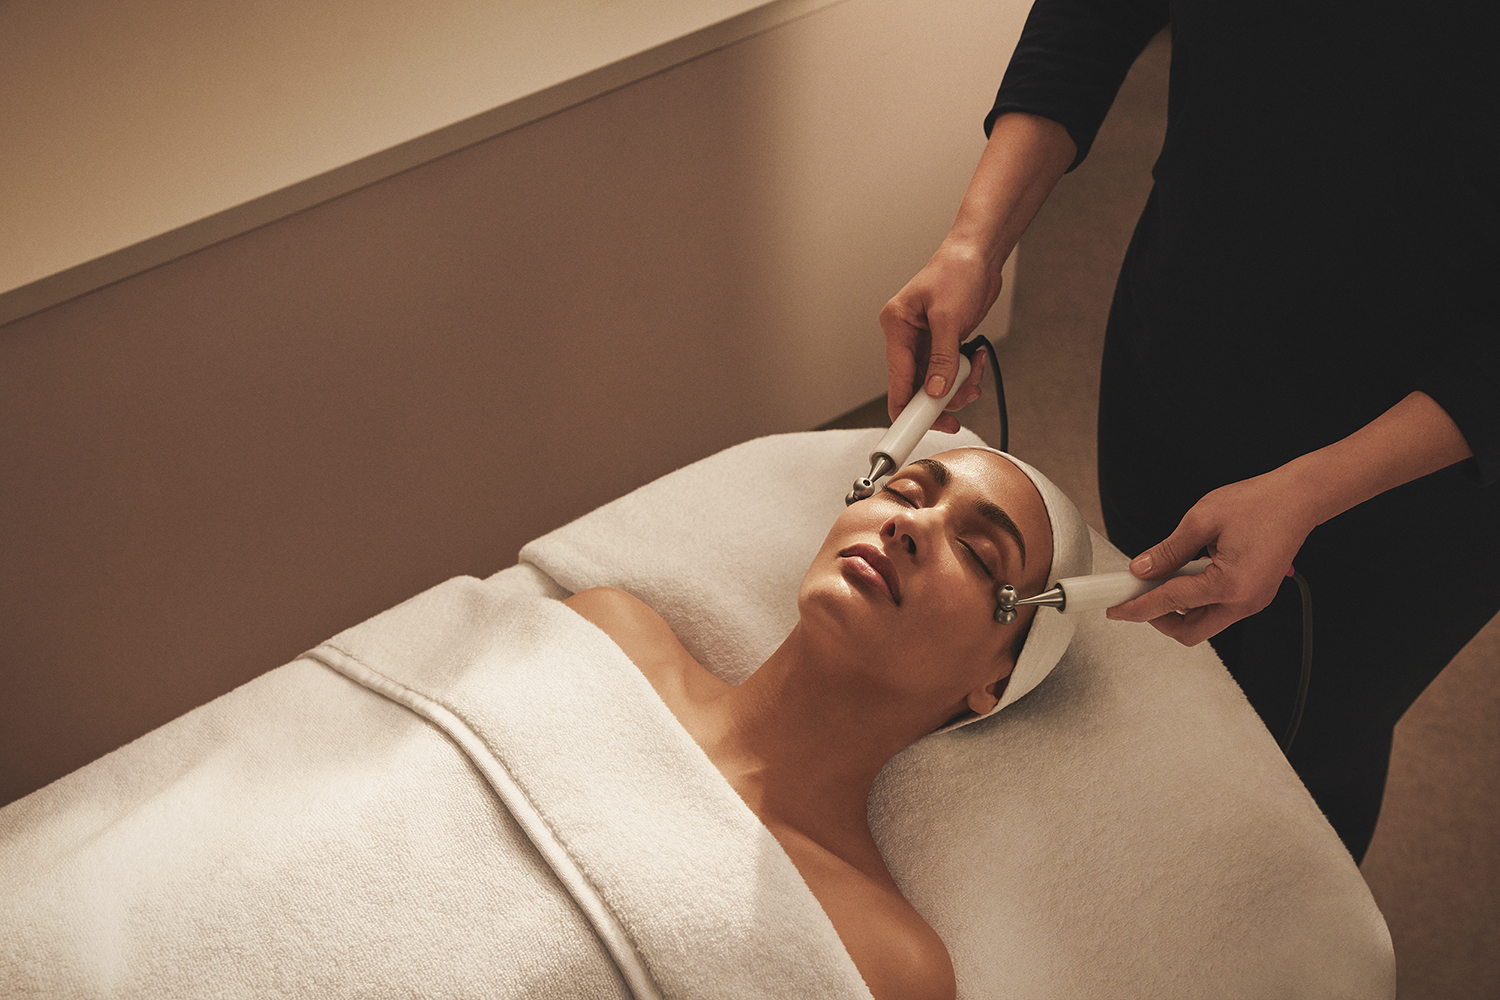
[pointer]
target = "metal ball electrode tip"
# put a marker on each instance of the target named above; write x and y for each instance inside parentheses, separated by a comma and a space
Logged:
(880, 465)
(1005, 613)
(862, 489)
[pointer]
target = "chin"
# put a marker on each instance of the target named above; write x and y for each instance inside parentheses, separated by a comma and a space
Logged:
(832, 605)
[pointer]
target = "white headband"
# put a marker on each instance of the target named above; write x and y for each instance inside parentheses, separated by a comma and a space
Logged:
(1051, 631)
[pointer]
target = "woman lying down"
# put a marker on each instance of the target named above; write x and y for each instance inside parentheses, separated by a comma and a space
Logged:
(476, 792)
(897, 637)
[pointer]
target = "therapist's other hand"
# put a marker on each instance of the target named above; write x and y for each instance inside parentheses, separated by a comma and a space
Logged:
(1252, 530)
(927, 321)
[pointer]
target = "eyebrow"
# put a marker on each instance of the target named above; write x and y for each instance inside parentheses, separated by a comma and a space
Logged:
(990, 511)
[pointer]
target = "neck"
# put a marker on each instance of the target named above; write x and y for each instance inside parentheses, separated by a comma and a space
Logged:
(803, 746)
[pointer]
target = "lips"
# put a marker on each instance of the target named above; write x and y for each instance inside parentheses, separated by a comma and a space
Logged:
(876, 560)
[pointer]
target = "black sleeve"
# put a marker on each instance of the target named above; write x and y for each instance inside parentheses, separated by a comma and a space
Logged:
(1071, 59)
(1466, 383)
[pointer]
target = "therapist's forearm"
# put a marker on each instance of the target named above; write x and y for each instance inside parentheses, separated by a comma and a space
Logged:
(1410, 440)
(1023, 160)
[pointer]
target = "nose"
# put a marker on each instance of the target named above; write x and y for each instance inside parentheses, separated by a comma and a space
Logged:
(904, 528)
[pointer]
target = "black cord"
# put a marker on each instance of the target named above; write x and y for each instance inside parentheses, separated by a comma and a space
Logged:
(1306, 675)
(968, 350)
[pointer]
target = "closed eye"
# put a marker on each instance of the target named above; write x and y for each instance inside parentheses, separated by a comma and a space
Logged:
(983, 566)
(898, 496)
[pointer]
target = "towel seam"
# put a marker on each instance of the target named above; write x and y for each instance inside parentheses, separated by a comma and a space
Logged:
(610, 931)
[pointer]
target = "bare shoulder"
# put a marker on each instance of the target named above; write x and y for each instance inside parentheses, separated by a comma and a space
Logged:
(645, 637)
(626, 619)
(898, 953)
(610, 606)
(895, 949)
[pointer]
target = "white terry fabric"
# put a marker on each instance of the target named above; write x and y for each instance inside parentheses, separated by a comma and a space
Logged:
(307, 836)
(1128, 829)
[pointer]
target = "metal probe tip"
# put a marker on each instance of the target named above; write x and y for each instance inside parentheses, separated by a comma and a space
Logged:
(1006, 612)
(862, 488)
(881, 464)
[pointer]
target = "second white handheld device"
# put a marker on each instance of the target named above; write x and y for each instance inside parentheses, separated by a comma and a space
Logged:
(1089, 593)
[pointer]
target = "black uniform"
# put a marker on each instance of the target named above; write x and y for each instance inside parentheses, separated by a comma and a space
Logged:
(1321, 241)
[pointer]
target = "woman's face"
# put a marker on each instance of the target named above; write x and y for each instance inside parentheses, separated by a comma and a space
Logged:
(907, 581)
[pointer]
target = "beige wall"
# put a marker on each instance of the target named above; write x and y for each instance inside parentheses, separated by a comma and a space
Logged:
(214, 465)
(140, 130)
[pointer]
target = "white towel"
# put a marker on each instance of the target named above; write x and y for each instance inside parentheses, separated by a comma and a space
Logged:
(306, 836)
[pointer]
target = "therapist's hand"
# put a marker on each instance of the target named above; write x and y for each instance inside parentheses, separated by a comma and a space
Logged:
(931, 316)
(928, 319)
(1252, 530)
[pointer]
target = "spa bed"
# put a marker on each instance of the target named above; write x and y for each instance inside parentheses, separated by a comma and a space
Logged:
(475, 793)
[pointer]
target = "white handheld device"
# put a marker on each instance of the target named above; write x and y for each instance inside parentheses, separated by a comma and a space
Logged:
(901, 440)
(1089, 593)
